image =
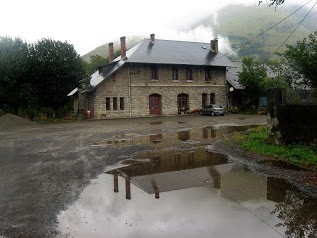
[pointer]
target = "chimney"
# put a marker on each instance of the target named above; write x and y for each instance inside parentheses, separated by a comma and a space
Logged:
(152, 38)
(123, 47)
(111, 54)
(214, 45)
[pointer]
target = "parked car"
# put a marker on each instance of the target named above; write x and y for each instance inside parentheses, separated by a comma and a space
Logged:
(213, 110)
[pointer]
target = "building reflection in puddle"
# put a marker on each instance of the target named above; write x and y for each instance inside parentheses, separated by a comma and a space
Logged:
(204, 135)
(172, 202)
(173, 170)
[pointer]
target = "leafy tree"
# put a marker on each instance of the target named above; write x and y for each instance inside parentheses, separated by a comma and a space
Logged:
(56, 70)
(302, 59)
(274, 2)
(298, 215)
(95, 62)
(15, 85)
(98, 60)
(251, 77)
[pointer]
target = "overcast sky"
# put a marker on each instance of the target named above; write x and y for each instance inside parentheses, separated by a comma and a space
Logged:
(89, 24)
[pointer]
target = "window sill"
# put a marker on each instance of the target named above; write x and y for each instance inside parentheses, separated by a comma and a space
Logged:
(154, 80)
(189, 81)
(175, 81)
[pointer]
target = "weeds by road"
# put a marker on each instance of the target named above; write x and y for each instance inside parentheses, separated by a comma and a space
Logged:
(256, 141)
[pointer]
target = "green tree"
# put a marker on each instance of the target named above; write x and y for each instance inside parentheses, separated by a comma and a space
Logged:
(298, 215)
(302, 58)
(56, 70)
(95, 62)
(251, 77)
(273, 2)
(16, 90)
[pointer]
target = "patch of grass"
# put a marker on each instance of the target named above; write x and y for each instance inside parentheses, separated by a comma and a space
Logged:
(256, 141)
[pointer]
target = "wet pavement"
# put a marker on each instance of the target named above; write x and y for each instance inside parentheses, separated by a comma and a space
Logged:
(148, 177)
(179, 187)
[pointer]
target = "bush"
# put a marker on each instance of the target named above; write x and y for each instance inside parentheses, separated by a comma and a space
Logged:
(234, 109)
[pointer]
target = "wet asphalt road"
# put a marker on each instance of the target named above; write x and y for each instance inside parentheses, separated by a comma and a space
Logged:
(43, 168)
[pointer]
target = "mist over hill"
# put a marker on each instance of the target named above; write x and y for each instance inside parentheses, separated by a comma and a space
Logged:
(243, 23)
(103, 50)
(235, 25)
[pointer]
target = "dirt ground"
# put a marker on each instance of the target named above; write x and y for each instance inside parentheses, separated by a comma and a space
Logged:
(43, 168)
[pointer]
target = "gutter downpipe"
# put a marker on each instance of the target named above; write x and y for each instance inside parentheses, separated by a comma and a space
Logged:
(130, 101)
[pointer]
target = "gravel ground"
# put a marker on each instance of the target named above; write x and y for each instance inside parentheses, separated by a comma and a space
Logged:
(43, 168)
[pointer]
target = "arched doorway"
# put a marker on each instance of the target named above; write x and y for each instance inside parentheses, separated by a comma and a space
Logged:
(182, 102)
(155, 102)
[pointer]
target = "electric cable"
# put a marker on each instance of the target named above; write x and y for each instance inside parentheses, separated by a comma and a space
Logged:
(291, 33)
(263, 32)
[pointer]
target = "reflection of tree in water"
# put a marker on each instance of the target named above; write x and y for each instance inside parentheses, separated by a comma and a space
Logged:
(299, 215)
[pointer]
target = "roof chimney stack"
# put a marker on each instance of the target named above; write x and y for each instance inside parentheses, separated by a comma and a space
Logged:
(152, 38)
(214, 45)
(123, 47)
(111, 54)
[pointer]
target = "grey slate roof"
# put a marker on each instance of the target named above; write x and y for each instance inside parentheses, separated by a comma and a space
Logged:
(232, 75)
(163, 52)
(175, 52)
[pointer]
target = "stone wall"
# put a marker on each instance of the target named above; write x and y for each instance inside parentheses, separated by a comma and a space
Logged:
(290, 123)
(134, 80)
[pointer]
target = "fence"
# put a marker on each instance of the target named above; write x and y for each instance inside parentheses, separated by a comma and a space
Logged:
(299, 97)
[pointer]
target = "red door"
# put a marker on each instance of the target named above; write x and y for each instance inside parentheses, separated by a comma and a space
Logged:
(155, 104)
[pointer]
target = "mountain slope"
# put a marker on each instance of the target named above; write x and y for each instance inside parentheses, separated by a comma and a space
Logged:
(242, 23)
(103, 50)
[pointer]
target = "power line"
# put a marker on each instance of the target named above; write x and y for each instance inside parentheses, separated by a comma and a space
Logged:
(263, 32)
(291, 33)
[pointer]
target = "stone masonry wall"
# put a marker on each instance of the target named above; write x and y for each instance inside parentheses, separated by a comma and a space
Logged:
(289, 123)
(142, 87)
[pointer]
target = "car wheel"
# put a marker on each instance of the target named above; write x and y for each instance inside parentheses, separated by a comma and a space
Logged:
(212, 113)
(222, 114)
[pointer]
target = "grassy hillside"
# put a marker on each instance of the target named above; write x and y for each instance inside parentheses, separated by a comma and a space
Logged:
(242, 23)
(103, 50)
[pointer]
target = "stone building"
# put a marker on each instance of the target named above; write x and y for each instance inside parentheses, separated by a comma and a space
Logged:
(157, 77)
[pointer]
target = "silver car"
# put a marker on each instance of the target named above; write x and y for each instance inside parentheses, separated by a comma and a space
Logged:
(213, 110)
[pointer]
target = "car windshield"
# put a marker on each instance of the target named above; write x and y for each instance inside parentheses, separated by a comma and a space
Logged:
(218, 106)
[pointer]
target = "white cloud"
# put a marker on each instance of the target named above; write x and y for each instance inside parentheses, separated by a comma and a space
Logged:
(88, 24)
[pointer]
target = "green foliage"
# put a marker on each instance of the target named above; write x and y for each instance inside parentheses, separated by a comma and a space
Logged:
(302, 58)
(256, 141)
(15, 86)
(57, 68)
(252, 77)
(37, 75)
(95, 62)
(242, 23)
(255, 79)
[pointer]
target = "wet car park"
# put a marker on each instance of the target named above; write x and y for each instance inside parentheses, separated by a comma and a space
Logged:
(163, 177)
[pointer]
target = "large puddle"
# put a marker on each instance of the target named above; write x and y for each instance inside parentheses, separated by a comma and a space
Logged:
(187, 192)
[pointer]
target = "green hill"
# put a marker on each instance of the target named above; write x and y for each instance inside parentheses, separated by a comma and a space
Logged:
(103, 50)
(242, 23)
